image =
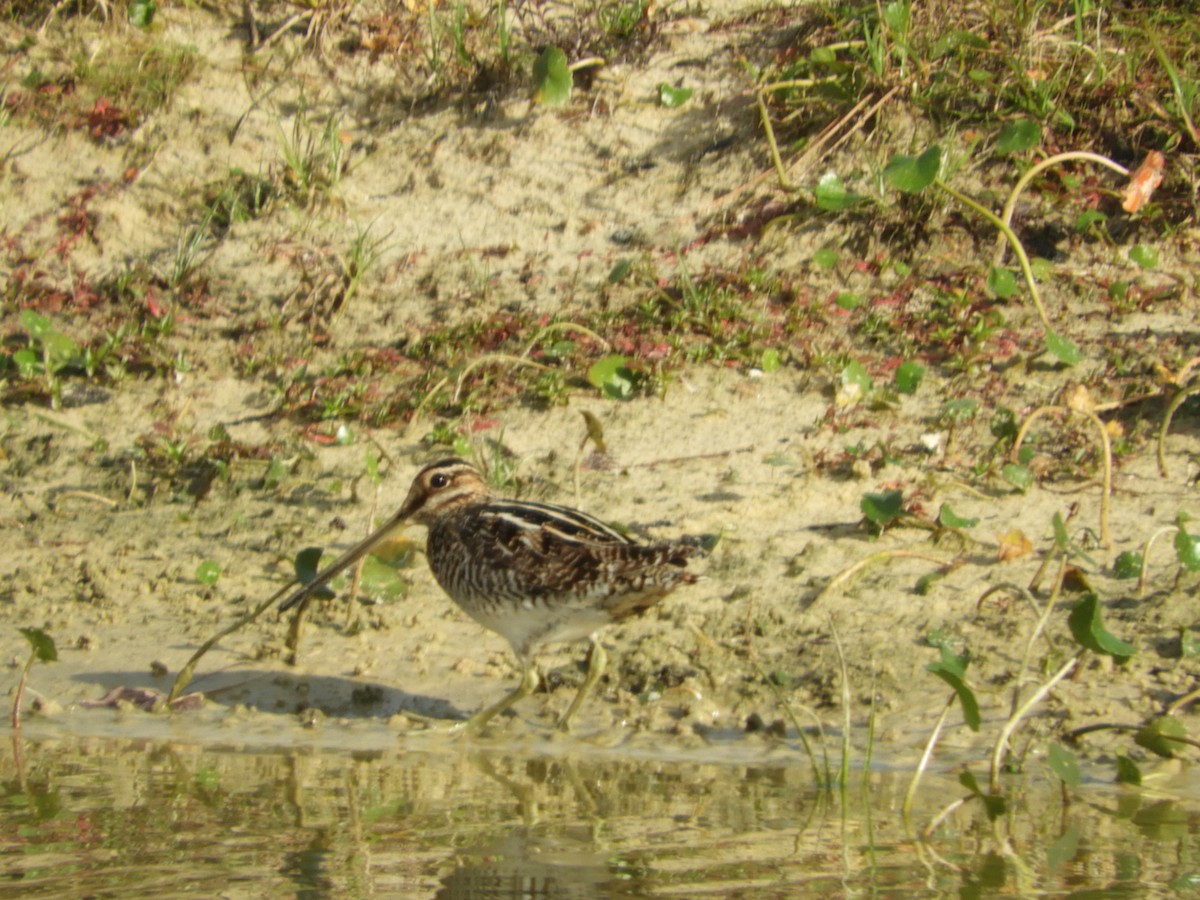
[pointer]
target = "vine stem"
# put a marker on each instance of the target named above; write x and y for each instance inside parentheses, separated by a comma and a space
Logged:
(1106, 450)
(1011, 204)
(1015, 719)
(1014, 242)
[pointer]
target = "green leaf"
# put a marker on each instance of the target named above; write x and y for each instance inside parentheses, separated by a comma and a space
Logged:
(612, 377)
(771, 361)
(276, 470)
(960, 409)
(552, 78)
(926, 582)
(896, 15)
(1004, 424)
(1144, 256)
(1065, 849)
(673, 97)
(952, 669)
(1089, 217)
(856, 374)
(1019, 476)
(1128, 565)
(1001, 282)
(994, 804)
(36, 324)
(208, 572)
(951, 41)
(620, 271)
(910, 174)
(825, 258)
(1061, 348)
(1062, 540)
(1186, 549)
(848, 301)
(1041, 267)
(832, 195)
(1018, 135)
(1159, 736)
(141, 13)
(1064, 764)
(307, 566)
(948, 519)
(1189, 643)
(1087, 626)
(883, 508)
(1128, 771)
(42, 643)
(28, 363)
(909, 375)
(381, 581)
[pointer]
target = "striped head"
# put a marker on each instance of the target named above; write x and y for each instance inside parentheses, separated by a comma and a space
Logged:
(440, 488)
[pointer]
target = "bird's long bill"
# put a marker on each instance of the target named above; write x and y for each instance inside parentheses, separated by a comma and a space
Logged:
(347, 559)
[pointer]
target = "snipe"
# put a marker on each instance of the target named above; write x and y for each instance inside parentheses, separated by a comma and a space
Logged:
(535, 573)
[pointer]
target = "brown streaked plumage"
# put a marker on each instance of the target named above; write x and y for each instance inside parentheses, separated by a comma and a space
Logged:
(535, 573)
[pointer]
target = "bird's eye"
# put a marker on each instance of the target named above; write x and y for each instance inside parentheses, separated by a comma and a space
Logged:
(439, 481)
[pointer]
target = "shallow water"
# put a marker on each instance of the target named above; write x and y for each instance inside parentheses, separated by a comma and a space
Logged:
(101, 817)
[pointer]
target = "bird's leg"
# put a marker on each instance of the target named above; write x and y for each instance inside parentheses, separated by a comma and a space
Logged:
(597, 660)
(529, 682)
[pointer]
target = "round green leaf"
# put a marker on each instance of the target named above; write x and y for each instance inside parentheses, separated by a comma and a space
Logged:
(208, 572)
(1064, 764)
(882, 508)
(552, 78)
(1144, 256)
(381, 581)
(771, 361)
(911, 174)
(1087, 627)
(1018, 135)
(1186, 550)
(1160, 736)
(1062, 349)
(307, 566)
(1128, 771)
(612, 377)
(1001, 282)
(1089, 217)
(1127, 565)
(848, 301)
(952, 669)
(832, 195)
(673, 97)
(36, 324)
(826, 258)
(1019, 476)
(909, 375)
(856, 374)
(42, 643)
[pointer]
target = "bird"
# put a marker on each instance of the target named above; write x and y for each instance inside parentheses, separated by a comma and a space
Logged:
(534, 573)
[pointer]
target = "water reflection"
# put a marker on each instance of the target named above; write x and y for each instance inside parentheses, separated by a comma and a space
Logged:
(107, 818)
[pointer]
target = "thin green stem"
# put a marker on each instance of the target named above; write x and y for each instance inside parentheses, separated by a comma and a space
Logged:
(1015, 719)
(1011, 236)
(1011, 204)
